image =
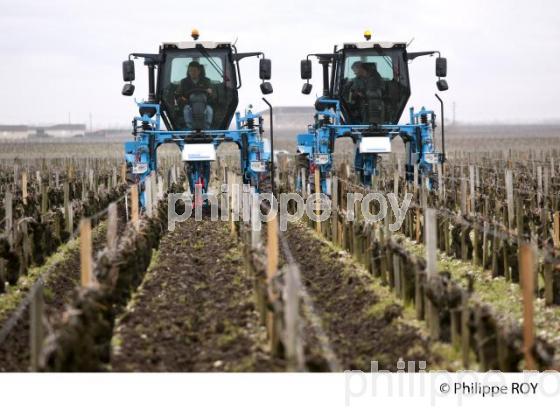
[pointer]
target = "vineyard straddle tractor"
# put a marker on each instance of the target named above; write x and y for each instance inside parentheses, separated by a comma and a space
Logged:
(366, 87)
(193, 92)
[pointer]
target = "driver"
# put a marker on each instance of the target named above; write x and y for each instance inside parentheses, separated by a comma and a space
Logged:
(366, 92)
(195, 80)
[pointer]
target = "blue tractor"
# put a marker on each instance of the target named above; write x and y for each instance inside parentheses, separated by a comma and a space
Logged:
(366, 87)
(192, 99)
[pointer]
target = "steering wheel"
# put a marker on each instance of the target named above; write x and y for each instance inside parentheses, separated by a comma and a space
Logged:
(197, 90)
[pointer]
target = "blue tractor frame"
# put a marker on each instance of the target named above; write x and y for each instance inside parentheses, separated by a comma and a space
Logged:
(198, 146)
(331, 123)
(141, 153)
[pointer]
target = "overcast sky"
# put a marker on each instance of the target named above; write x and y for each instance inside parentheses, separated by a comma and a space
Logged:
(64, 56)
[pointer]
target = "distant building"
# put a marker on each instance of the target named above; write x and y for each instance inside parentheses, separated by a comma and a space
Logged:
(59, 131)
(15, 132)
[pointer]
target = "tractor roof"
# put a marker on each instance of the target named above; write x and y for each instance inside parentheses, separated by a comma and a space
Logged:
(192, 44)
(371, 44)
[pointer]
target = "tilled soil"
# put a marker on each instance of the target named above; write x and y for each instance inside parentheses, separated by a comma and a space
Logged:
(58, 290)
(194, 310)
(361, 325)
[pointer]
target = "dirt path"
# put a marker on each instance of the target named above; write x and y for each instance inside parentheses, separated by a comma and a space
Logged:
(194, 311)
(363, 321)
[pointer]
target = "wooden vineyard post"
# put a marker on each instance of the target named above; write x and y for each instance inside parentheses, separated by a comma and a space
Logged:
(8, 206)
(303, 183)
(67, 207)
(472, 189)
(556, 228)
(272, 248)
(234, 204)
(71, 172)
(16, 173)
(317, 202)
(231, 193)
(126, 206)
(153, 193)
(431, 268)
(334, 214)
(148, 195)
(440, 183)
(134, 205)
(527, 278)
(417, 225)
(397, 275)
(271, 270)
(396, 183)
(84, 188)
(114, 177)
(255, 220)
(112, 222)
(472, 184)
(539, 186)
(123, 173)
(44, 200)
(415, 182)
(160, 188)
(431, 242)
(70, 221)
(485, 229)
(24, 187)
(463, 196)
(85, 252)
(36, 324)
(246, 203)
(91, 179)
(154, 181)
(294, 352)
(509, 198)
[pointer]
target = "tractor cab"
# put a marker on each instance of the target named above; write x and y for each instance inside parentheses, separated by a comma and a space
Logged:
(197, 85)
(371, 81)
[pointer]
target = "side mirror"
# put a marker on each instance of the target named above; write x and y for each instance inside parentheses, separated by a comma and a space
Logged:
(442, 85)
(305, 69)
(266, 87)
(441, 67)
(128, 90)
(306, 89)
(128, 70)
(265, 69)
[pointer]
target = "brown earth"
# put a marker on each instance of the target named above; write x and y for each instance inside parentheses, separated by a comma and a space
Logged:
(194, 310)
(360, 324)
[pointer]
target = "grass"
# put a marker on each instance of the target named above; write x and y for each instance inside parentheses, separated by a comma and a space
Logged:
(504, 296)
(16, 293)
